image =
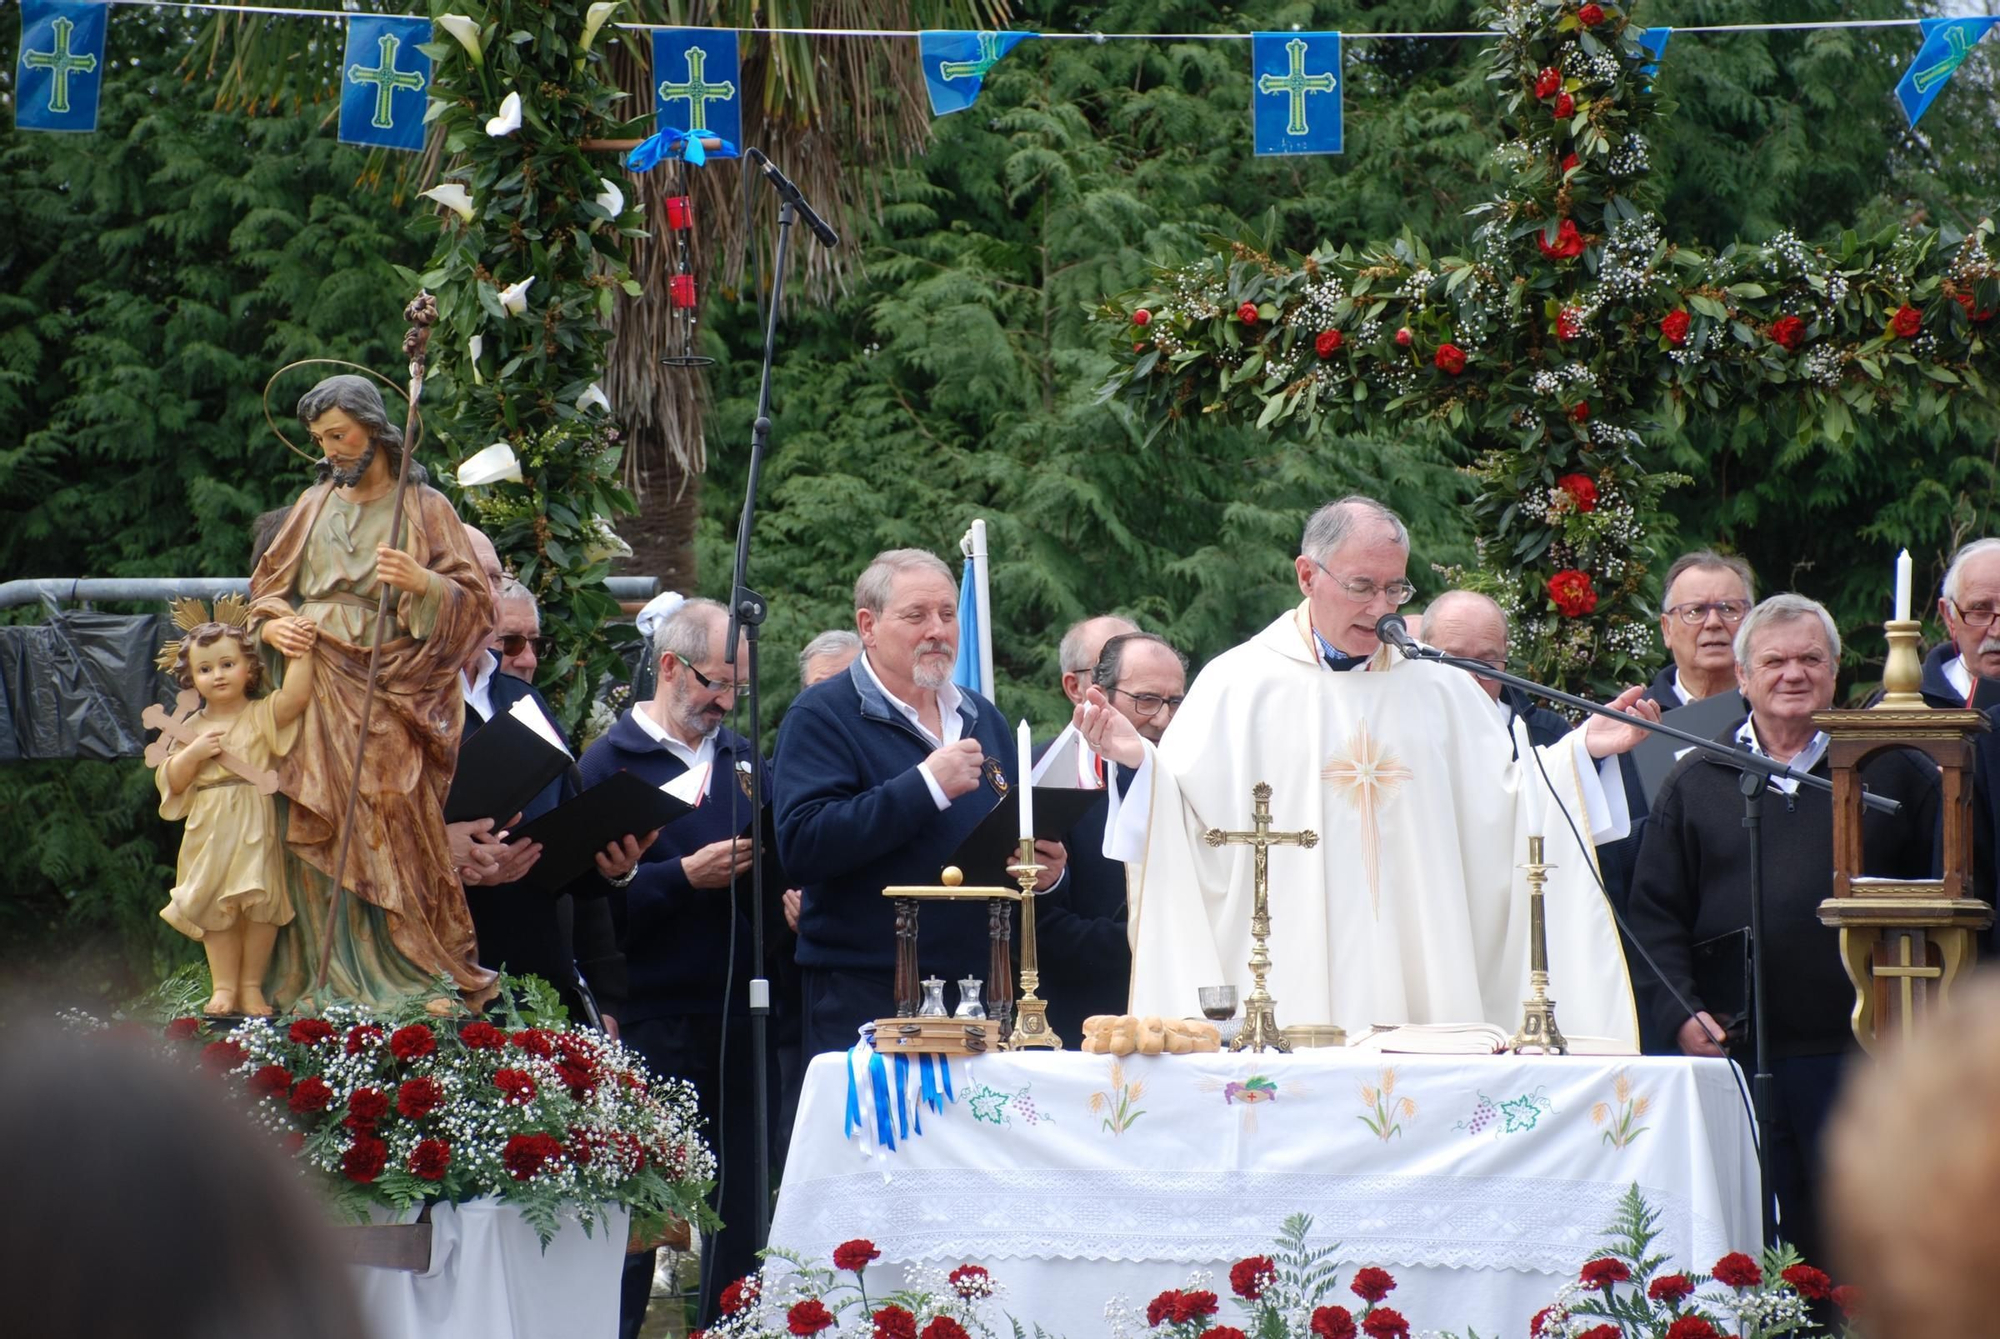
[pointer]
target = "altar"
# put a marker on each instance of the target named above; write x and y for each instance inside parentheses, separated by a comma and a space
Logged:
(1481, 1182)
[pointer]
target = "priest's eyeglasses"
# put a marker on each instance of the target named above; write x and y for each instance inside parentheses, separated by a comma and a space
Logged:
(710, 684)
(1149, 704)
(1975, 618)
(1694, 615)
(1399, 591)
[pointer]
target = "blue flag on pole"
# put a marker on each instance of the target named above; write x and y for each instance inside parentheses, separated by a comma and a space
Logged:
(974, 670)
(955, 63)
(1655, 41)
(61, 65)
(385, 83)
(1947, 42)
(698, 83)
(1296, 93)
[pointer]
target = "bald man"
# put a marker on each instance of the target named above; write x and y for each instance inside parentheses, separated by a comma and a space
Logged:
(1082, 645)
(1473, 626)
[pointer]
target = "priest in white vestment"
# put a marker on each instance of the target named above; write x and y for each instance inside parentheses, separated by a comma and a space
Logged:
(1412, 908)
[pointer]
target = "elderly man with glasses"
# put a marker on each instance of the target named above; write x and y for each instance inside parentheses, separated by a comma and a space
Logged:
(1410, 909)
(1703, 602)
(1968, 607)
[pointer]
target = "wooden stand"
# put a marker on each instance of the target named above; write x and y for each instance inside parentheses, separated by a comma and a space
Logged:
(949, 1036)
(1904, 942)
(936, 1036)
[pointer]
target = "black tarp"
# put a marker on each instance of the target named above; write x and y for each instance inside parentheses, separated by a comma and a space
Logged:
(74, 685)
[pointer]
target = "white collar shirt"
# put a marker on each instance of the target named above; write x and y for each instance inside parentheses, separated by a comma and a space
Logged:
(948, 698)
(479, 687)
(1802, 762)
(700, 755)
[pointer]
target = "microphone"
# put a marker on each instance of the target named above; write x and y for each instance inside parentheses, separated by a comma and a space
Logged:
(790, 194)
(1391, 629)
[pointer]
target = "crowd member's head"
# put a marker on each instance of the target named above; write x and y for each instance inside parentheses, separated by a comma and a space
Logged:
(1705, 600)
(114, 1143)
(1472, 626)
(517, 631)
(1145, 678)
(488, 558)
(906, 610)
(827, 655)
(1913, 1173)
(1787, 654)
(1081, 646)
(697, 687)
(1353, 568)
(265, 529)
(1971, 595)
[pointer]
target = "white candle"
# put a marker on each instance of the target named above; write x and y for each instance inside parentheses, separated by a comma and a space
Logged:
(1903, 586)
(1026, 765)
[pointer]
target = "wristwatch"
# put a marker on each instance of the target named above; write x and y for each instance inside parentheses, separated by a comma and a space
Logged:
(624, 880)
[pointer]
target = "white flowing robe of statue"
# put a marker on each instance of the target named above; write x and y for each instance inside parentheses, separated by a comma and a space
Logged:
(1412, 908)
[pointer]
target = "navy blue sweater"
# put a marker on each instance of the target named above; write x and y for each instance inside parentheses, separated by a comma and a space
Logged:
(1080, 927)
(677, 937)
(854, 816)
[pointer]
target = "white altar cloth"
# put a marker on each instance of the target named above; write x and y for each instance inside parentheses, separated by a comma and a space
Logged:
(489, 1278)
(1483, 1182)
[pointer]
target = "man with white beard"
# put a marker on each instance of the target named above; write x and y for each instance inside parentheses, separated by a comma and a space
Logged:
(881, 772)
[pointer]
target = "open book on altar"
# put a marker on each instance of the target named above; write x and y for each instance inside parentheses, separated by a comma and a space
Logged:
(1467, 1039)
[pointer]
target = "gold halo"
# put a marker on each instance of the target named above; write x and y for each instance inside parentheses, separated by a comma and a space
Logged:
(410, 445)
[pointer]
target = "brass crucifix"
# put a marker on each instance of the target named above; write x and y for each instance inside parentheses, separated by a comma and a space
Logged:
(1260, 1018)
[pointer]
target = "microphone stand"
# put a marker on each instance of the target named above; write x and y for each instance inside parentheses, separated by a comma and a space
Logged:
(1757, 772)
(746, 615)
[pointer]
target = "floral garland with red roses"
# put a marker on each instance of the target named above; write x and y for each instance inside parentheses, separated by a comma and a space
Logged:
(399, 1109)
(1573, 324)
(1293, 1293)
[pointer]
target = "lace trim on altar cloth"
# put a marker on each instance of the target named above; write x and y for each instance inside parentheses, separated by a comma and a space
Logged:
(1456, 1222)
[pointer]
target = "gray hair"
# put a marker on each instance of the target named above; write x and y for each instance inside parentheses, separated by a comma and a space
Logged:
(1112, 659)
(1781, 609)
(1443, 603)
(1336, 523)
(357, 397)
(1700, 558)
(1070, 658)
(833, 642)
(1953, 573)
(684, 632)
(871, 589)
(512, 589)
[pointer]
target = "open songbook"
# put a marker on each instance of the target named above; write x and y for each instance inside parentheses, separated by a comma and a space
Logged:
(1466, 1039)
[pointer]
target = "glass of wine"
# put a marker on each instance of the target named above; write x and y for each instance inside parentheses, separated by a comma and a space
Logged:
(1218, 1003)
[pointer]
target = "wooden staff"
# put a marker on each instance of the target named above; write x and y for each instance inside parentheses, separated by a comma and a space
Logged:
(422, 315)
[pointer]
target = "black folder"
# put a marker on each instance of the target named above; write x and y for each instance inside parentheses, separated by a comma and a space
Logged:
(1722, 981)
(996, 843)
(574, 831)
(501, 766)
(1708, 717)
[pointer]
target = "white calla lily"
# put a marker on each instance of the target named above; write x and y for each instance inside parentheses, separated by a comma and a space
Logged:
(593, 395)
(594, 18)
(509, 119)
(476, 346)
(454, 197)
(514, 297)
(494, 464)
(467, 32)
(611, 200)
(602, 542)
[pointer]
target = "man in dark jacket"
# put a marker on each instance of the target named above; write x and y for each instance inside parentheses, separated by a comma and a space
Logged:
(881, 773)
(685, 922)
(1693, 885)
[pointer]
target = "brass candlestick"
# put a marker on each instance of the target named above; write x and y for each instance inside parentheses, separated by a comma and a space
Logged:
(1260, 1016)
(1903, 671)
(1538, 1024)
(1031, 1013)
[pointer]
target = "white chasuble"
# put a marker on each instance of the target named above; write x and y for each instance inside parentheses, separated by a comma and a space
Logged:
(1412, 908)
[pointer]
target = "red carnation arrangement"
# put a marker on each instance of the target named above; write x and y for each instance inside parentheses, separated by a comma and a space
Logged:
(1788, 332)
(309, 1031)
(1567, 245)
(808, 1317)
(1600, 1332)
(271, 1081)
(310, 1095)
(362, 1035)
(185, 1029)
(430, 1159)
(538, 1042)
(1670, 1288)
(418, 1098)
(1385, 1323)
(412, 1043)
(526, 1154)
(893, 1322)
(1906, 322)
(1371, 1285)
(1333, 1322)
(1737, 1270)
(1197, 1304)
(1160, 1310)
(1328, 343)
(1450, 358)
(1572, 592)
(1848, 1298)
(1812, 1284)
(971, 1282)
(944, 1327)
(1250, 1276)
(739, 1295)
(1601, 1273)
(1247, 313)
(1565, 107)
(855, 1255)
(1549, 82)
(365, 1158)
(365, 1108)
(223, 1056)
(1674, 325)
(481, 1035)
(1582, 491)
(1692, 1327)
(517, 1087)
(1590, 15)
(1223, 1332)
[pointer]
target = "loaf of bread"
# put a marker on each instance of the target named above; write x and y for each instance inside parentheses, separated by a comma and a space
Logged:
(1130, 1034)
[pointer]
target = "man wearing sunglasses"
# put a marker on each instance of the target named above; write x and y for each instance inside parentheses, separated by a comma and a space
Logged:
(517, 634)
